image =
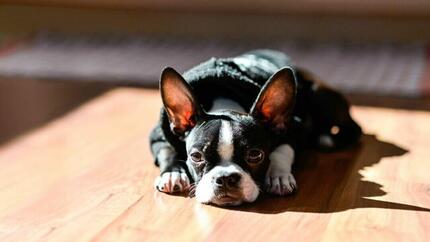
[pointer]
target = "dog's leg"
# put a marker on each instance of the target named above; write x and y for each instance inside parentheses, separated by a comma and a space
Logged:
(279, 179)
(173, 176)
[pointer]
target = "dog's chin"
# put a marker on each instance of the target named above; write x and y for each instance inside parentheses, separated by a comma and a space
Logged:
(207, 195)
(227, 201)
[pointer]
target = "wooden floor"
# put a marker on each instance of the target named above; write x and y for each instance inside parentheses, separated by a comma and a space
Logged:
(88, 176)
(26, 103)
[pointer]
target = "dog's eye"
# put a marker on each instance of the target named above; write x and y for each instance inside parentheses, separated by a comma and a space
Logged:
(254, 156)
(196, 156)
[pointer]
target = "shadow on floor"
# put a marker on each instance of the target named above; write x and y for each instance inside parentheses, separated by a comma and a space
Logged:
(26, 104)
(331, 182)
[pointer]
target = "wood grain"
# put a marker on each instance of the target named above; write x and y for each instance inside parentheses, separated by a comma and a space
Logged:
(88, 176)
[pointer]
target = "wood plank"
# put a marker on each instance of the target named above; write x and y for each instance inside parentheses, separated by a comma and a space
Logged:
(88, 176)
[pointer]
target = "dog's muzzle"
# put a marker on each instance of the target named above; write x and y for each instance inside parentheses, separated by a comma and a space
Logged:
(226, 185)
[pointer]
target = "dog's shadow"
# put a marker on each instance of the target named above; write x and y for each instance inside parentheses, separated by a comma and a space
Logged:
(331, 182)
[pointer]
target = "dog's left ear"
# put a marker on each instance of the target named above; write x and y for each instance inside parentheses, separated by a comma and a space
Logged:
(179, 101)
(276, 99)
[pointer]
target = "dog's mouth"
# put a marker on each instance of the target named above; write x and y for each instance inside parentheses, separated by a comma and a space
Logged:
(227, 199)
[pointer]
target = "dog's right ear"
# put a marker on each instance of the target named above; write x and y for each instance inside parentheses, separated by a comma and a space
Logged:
(276, 100)
(179, 102)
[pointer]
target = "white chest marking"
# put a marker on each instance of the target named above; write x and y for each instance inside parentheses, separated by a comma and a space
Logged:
(226, 104)
(326, 141)
(225, 141)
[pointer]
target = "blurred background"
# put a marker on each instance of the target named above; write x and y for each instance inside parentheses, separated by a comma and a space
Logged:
(56, 54)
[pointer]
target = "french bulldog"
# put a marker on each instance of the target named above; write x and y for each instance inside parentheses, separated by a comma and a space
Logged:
(230, 128)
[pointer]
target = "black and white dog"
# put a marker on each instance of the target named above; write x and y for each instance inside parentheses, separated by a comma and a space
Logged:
(231, 127)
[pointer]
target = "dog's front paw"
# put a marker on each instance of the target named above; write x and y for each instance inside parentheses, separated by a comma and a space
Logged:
(172, 182)
(280, 184)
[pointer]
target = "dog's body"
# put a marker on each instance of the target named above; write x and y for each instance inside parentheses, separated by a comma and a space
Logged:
(232, 125)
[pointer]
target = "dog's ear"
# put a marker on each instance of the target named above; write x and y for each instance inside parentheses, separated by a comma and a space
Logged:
(276, 99)
(179, 101)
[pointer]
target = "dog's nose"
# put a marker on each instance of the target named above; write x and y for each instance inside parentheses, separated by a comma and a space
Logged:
(230, 180)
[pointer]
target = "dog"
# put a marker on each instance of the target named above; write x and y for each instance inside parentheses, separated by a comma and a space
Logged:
(230, 128)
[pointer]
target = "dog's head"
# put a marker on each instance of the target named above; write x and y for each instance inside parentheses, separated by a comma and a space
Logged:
(228, 152)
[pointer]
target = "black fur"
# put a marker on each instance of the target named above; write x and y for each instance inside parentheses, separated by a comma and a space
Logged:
(317, 108)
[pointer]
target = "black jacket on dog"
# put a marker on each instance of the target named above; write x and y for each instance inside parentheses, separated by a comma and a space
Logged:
(320, 116)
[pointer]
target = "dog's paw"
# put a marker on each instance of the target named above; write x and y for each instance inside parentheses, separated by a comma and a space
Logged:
(172, 182)
(280, 184)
